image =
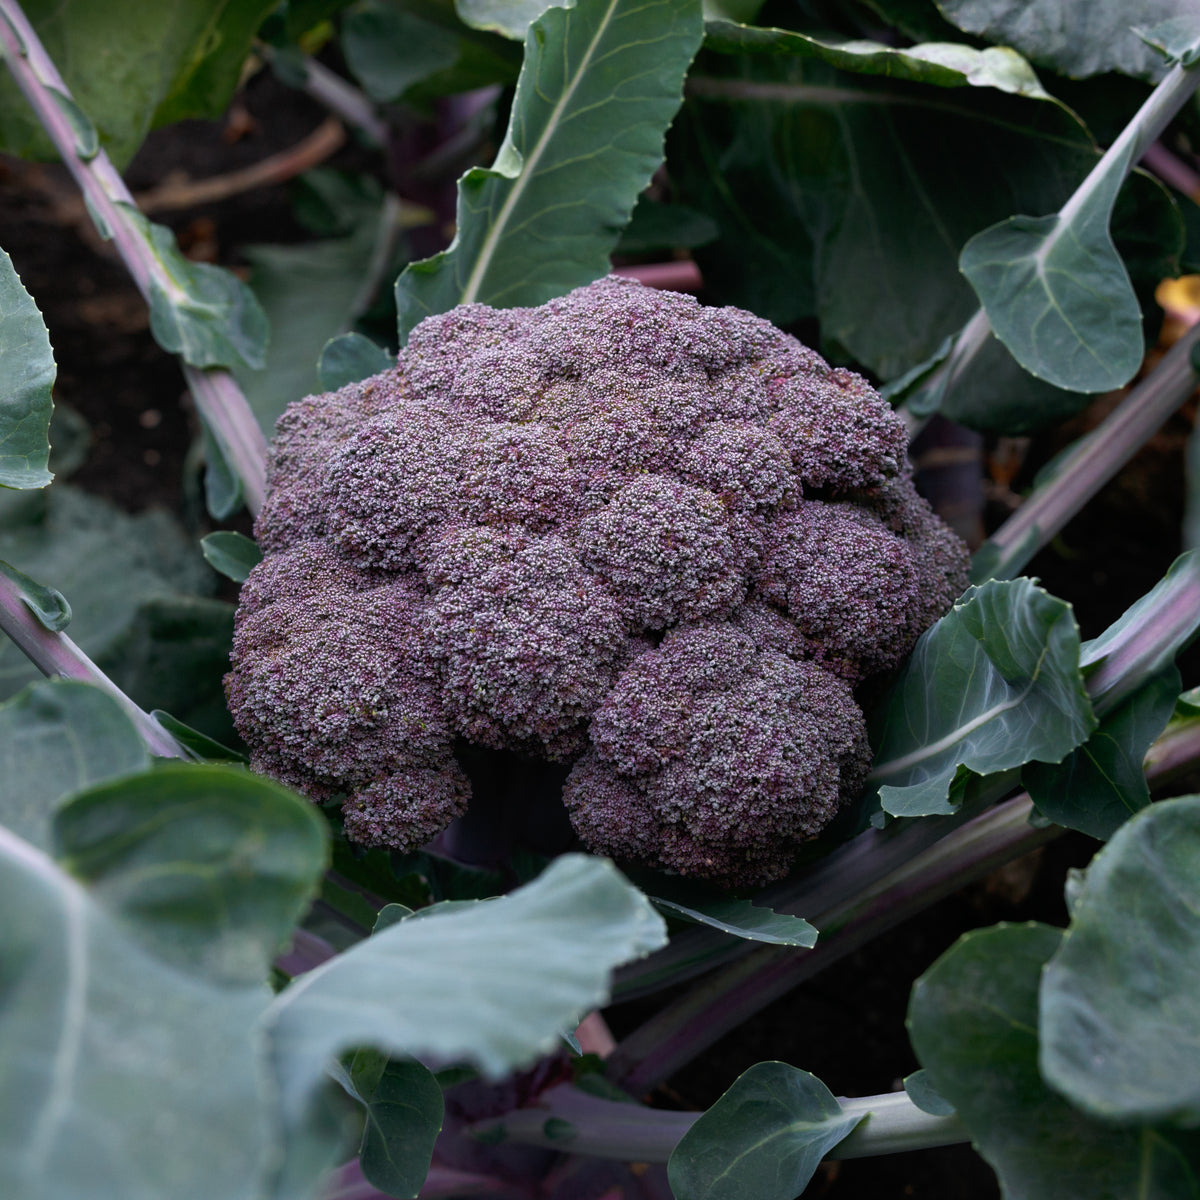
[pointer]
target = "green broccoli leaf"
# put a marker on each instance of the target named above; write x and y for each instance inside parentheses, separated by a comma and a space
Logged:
(1098, 786)
(600, 84)
(233, 554)
(973, 1019)
(492, 983)
(130, 65)
(996, 683)
(1074, 39)
(763, 1138)
(25, 387)
(150, 971)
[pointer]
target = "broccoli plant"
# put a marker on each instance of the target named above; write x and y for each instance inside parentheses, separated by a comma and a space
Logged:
(595, 643)
(655, 542)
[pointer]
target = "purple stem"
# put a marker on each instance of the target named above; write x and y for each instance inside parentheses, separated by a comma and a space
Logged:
(1172, 170)
(634, 1133)
(1094, 460)
(344, 100)
(441, 1183)
(307, 952)
(218, 398)
(1147, 637)
(57, 656)
(1130, 652)
(687, 1027)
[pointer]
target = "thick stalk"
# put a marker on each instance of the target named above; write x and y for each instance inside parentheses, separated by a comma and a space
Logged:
(1092, 462)
(684, 1029)
(634, 1133)
(218, 397)
(851, 870)
(57, 656)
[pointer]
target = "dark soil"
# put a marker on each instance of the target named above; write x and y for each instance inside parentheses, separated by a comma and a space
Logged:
(847, 1026)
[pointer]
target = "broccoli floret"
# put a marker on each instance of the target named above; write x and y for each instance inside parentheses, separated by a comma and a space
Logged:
(658, 543)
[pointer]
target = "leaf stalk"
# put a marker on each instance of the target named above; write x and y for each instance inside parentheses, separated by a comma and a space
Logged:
(635, 1133)
(1091, 463)
(57, 656)
(218, 397)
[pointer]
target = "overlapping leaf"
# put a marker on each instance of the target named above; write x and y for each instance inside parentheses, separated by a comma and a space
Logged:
(129, 1022)
(494, 983)
(763, 1138)
(1077, 39)
(599, 86)
(994, 684)
(848, 196)
(1099, 786)
(973, 1019)
(58, 737)
(130, 65)
(1120, 999)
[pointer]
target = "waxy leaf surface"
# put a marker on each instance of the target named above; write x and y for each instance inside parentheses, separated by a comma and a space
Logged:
(973, 1019)
(58, 737)
(600, 84)
(763, 1138)
(1075, 37)
(493, 984)
(1097, 787)
(994, 684)
(1120, 1000)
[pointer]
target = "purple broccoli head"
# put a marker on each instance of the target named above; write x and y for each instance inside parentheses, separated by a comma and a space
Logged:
(657, 541)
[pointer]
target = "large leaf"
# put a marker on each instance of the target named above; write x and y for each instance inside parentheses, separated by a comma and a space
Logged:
(27, 366)
(994, 684)
(1097, 787)
(848, 196)
(211, 865)
(1056, 291)
(973, 1019)
(599, 86)
(129, 64)
(1120, 1000)
(58, 737)
(763, 1138)
(127, 1076)
(494, 983)
(1074, 37)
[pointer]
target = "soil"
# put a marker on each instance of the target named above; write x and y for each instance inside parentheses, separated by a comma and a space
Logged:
(847, 1026)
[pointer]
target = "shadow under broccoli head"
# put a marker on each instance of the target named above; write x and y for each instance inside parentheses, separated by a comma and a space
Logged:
(655, 542)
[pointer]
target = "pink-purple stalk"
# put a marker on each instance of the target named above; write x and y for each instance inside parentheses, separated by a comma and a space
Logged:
(217, 395)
